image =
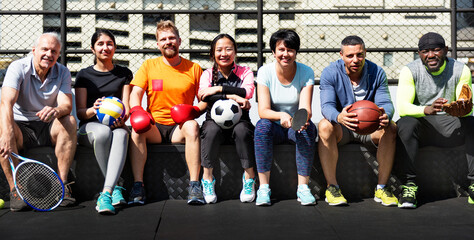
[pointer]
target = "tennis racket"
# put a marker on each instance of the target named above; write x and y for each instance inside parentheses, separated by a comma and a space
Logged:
(37, 184)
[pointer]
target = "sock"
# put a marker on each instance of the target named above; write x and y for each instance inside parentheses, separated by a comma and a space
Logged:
(380, 186)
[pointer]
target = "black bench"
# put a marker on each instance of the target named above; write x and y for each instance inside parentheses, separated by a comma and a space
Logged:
(442, 173)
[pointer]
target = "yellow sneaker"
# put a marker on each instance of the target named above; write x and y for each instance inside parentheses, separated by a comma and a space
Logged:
(385, 196)
(334, 196)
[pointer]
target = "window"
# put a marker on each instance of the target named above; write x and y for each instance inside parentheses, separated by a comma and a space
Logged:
(286, 16)
(204, 22)
(115, 17)
(117, 32)
(388, 59)
(250, 6)
(74, 44)
(153, 19)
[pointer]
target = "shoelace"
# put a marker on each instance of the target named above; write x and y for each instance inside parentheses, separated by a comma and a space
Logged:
(137, 190)
(335, 191)
(208, 187)
(387, 192)
(471, 187)
(117, 191)
(409, 191)
(248, 187)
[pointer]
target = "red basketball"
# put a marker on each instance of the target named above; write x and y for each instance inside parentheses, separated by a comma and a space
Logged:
(368, 115)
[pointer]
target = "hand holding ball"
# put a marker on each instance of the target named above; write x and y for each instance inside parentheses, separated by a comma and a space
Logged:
(111, 108)
(226, 113)
(368, 114)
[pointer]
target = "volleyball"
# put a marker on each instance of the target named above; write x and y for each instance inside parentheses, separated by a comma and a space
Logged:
(111, 108)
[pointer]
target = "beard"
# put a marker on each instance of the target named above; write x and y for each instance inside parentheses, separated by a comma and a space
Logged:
(169, 52)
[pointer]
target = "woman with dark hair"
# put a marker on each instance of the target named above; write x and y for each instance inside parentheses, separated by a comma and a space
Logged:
(283, 87)
(227, 80)
(110, 144)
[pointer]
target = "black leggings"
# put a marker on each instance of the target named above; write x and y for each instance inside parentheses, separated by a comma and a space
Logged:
(212, 136)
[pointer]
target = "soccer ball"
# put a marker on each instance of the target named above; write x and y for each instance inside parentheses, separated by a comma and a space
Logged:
(111, 108)
(226, 113)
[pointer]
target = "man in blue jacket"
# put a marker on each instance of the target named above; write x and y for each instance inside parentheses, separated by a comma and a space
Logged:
(350, 79)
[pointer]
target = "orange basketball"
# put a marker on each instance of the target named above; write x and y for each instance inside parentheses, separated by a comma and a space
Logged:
(368, 114)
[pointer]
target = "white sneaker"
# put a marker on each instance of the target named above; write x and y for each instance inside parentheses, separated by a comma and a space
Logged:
(208, 190)
(248, 190)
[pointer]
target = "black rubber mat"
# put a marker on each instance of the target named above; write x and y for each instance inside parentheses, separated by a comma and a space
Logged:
(173, 219)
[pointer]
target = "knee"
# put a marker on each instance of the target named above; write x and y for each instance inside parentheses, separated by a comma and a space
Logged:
(210, 128)
(103, 134)
(406, 126)
(68, 123)
(391, 131)
(263, 126)
(325, 129)
(190, 129)
(242, 131)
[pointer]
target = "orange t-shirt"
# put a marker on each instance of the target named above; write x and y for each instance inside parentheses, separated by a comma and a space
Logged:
(167, 86)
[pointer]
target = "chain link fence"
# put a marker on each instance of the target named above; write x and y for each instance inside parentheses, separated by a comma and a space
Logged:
(390, 28)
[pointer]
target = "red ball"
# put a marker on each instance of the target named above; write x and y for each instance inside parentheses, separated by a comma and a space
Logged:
(368, 114)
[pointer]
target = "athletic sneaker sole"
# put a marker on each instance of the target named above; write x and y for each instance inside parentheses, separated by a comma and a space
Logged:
(335, 204)
(263, 204)
(381, 201)
(407, 205)
(105, 211)
(306, 203)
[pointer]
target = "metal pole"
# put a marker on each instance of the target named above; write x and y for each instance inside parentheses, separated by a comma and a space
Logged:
(454, 42)
(63, 33)
(259, 33)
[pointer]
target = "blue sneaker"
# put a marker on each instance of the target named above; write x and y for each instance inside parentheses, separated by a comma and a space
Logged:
(117, 197)
(304, 195)
(248, 190)
(137, 195)
(263, 195)
(208, 190)
(104, 204)
(195, 195)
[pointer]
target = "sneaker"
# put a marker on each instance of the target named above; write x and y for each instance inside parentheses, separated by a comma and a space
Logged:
(208, 190)
(68, 200)
(304, 195)
(248, 190)
(117, 197)
(104, 204)
(385, 196)
(334, 196)
(263, 195)
(16, 203)
(137, 195)
(408, 198)
(470, 190)
(195, 195)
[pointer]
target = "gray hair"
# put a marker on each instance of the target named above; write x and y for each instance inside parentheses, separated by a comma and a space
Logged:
(51, 34)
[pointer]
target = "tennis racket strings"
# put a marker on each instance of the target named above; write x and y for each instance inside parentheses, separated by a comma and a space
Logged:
(38, 185)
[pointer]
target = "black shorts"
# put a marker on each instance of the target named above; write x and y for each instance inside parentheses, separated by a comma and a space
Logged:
(35, 133)
(166, 132)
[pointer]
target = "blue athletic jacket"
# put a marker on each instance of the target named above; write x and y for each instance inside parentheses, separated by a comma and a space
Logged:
(336, 89)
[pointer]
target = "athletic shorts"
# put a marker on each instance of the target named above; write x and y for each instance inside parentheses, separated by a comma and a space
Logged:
(349, 136)
(35, 133)
(166, 132)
